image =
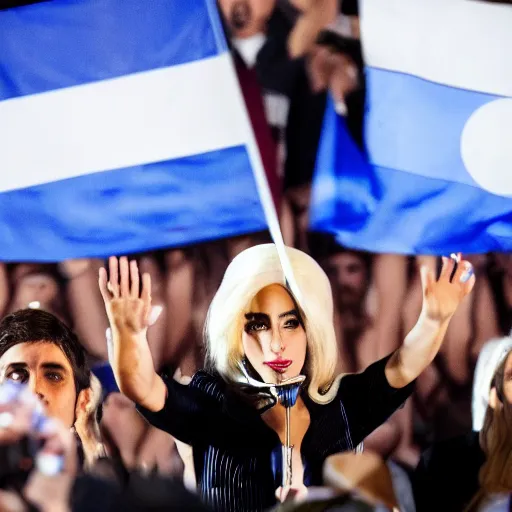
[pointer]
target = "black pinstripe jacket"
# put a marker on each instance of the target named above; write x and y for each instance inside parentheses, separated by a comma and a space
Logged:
(237, 456)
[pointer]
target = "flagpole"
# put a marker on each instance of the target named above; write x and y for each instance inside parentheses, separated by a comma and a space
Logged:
(255, 159)
(263, 187)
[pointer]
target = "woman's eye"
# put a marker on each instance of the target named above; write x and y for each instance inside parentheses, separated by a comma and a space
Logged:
(255, 326)
(292, 324)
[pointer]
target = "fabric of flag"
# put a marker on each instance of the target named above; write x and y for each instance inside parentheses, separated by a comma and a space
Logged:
(436, 176)
(122, 129)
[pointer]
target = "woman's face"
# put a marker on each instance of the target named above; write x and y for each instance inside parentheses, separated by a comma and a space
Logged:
(274, 339)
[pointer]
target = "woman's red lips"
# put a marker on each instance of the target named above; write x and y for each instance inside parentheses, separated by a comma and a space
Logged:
(279, 365)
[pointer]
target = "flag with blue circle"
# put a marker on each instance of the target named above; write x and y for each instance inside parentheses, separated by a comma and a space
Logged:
(122, 129)
(436, 173)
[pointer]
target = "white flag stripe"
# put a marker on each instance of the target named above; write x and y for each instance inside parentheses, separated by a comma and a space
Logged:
(459, 43)
(146, 117)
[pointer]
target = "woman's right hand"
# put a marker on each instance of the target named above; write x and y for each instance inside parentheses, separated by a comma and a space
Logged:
(128, 309)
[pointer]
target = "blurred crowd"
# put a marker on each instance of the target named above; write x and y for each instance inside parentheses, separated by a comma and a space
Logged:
(289, 56)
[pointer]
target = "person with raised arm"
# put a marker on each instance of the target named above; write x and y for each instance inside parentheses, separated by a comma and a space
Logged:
(259, 338)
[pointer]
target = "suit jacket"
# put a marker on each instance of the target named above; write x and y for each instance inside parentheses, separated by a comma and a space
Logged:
(237, 457)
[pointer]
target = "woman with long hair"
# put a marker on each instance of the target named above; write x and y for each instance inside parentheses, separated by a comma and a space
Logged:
(260, 338)
(495, 476)
(449, 470)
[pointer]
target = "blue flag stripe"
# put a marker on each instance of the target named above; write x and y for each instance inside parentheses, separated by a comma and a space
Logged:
(381, 209)
(172, 203)
(41, 44)
(341, 171)
(434, 177)
(415, 125)
(417, 215)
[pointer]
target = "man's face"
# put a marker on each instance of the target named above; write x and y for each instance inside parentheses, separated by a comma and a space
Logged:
(246, 17)
(348, 273)
(40, 287)
(47, 372)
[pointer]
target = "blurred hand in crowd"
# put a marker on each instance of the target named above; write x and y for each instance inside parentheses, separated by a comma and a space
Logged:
(54, 468)
(123, 427)
(504, 262)
(316, 15)
(332, 70)
(157, 453)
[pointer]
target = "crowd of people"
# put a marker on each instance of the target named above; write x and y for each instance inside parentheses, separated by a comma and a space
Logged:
(147, 427)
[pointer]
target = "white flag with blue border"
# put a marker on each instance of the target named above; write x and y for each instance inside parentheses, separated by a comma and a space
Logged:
(122, 129)
(437, 177)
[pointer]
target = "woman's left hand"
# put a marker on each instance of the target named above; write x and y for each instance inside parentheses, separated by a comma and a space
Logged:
(441, 298)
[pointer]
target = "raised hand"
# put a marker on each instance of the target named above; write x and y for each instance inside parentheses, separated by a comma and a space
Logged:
(441, 298)
(129, 313)
(128, 307)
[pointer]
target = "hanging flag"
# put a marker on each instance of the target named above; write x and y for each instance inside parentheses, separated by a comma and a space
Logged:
(122, 129)
(437, 176)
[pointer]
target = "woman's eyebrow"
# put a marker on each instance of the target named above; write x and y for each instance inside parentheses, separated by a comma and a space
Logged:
(257, 316)
(292, 312)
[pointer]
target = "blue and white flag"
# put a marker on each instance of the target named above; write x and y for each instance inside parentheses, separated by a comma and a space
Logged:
(122, 129)
(438, 133)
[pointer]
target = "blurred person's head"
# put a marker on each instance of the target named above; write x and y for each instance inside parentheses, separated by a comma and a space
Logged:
(504, 262)
(491, 356)
(501, 385)
(37, 349)
(153, 493)
(246, 18)
(496, 434)
(362, 474)
(37, 287)
(350, 274)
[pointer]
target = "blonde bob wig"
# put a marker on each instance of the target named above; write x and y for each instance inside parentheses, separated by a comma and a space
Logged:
(251, 271)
